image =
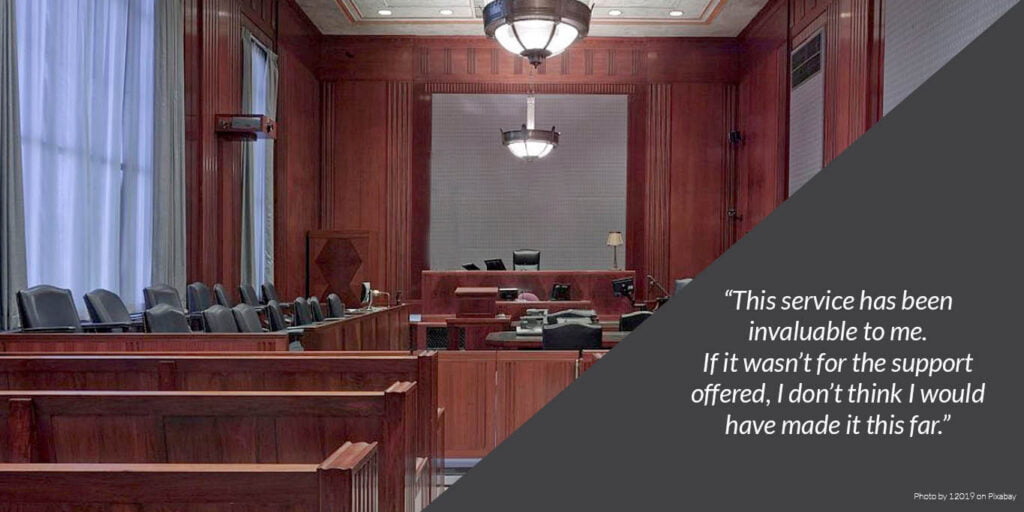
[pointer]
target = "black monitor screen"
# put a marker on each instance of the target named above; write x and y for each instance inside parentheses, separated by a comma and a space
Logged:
(623, 287)
(496, 264)
(471, 266)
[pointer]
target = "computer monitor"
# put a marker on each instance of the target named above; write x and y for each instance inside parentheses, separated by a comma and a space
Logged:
(471, 266)
(623, 287)
(495, 264)
(508, 293)
(366, 294)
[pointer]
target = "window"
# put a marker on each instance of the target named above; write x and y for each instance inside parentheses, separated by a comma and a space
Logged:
(86, 85)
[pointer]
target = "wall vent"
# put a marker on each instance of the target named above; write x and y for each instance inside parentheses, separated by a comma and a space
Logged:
(807, 60)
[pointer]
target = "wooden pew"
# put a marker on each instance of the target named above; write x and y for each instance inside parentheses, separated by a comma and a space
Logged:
(214, 427)
(293, 371)
(345, 482)
(143, 342)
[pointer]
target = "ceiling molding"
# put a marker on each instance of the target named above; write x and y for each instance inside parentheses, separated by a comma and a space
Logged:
(639, 18)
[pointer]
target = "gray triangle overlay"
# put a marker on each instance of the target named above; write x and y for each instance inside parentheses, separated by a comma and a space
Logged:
(928, 200)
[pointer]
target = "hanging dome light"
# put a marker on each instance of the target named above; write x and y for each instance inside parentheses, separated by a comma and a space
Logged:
(536, 29)
(527, 142)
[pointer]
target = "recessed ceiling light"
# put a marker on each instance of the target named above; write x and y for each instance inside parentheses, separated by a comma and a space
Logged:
(384, 12)
(614, 12)
(675, 14)
(446, 12)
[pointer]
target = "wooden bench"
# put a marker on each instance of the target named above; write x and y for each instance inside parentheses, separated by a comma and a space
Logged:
(214, 427)
(293, 371)
(345, 482)
(144, 342)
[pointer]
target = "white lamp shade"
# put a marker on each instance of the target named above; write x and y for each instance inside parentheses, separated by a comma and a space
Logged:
(615, 238)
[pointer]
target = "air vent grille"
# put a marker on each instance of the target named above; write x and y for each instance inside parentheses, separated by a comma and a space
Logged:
(807, 60)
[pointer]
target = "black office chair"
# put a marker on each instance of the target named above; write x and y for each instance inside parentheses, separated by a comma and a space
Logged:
(221, 294)
(680, 284)
(219, 318)
(164, 318)
(315, 309)
(571, 337)
(275, 318)
(108, 310)
(335, 307)
(633, 320)
(247, 319)
(46, 308)
(162, 294)
(581, 315)
(526, 259)
(198, 297)
(560, 292)
(301, 313)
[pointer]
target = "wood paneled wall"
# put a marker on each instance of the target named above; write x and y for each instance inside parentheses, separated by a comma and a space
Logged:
(213, 73)
(353, 151)
(853, 81)
(376, 134)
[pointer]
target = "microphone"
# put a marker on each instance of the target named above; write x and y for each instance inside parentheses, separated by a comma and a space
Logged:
(652, 281)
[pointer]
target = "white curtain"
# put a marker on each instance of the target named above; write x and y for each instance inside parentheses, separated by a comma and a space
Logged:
(259, 96)
(87, 105)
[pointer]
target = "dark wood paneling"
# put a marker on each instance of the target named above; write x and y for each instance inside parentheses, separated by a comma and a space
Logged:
(143, 342)
(763, 116)
(699, 173)
(477, 59)
(297, 151)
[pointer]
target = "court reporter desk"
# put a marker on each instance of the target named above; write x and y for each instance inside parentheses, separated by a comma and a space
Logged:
(593, 286)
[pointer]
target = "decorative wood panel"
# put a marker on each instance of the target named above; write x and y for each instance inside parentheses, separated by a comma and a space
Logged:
(340, 261)
(658, 193)
(527, 381)
(699, 176)
(399, 141)
(477, 59)
(466, 391)
(297, 156)
(763, 115)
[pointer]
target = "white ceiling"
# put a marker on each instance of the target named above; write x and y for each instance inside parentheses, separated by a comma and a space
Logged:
(639, 18)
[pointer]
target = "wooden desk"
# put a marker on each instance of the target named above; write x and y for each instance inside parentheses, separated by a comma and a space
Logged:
(383, 329)
(511, 340)
(585, 285)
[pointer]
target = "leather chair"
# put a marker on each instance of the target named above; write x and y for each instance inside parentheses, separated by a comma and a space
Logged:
(315, 309)
(571, 337)
(46, 308)
(219, 318)
(270, 293)
(631, 321)
(108, 310)
(525, 259)
(301, 313)
(577, 314)
(198, 297)
(335, 307)
(561, 292)
(275, 318)
(221, 295)
(162, 294)
(164, 318)
(247, 319)
(680, 284)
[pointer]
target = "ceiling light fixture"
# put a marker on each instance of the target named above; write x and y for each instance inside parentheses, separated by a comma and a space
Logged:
(446, 12)
(384, 12)
(527, 142)
(675, 14)
(614, 12)
(536, 29)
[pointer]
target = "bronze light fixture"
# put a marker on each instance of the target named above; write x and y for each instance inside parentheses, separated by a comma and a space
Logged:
(536, 29)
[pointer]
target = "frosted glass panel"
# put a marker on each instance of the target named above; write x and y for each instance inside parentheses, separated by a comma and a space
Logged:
(485, 203)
